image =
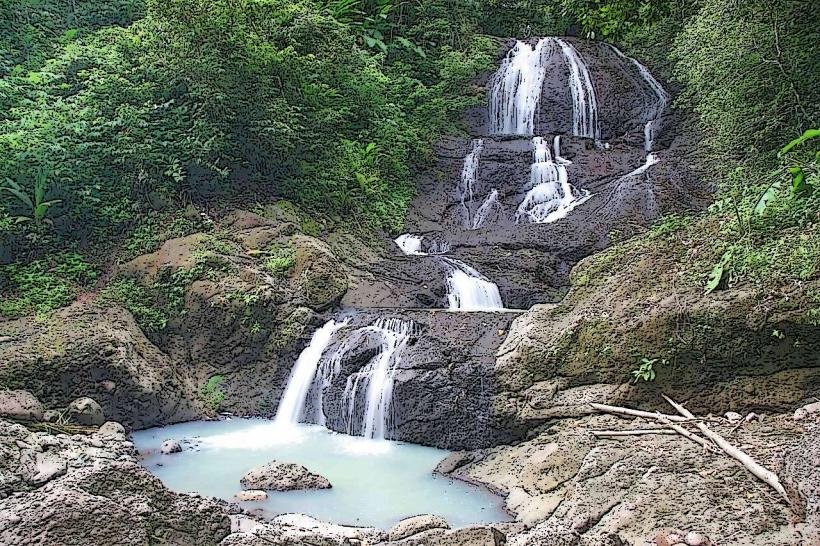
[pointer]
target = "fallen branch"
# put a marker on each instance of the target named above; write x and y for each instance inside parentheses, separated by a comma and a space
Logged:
(664, 419)
(690, 435)
(637, 413)
(637, 432)
(751, 465)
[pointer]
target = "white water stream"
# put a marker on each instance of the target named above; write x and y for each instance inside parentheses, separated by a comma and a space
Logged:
(515, 90)
(584, 102)
(369, 392)
(550, 196)
(302, 376)
(467, 289)
(516, 87)
(652, 124)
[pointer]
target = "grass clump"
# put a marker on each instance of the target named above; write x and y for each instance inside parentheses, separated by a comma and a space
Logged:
(212, 394)
(280, 260)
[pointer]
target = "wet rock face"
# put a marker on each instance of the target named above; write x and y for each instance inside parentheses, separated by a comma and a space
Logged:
(443, 384)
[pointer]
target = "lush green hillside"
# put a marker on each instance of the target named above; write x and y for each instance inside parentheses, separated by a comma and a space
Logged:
(125, 123)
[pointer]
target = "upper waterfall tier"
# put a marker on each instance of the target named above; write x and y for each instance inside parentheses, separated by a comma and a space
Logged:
(569, 86)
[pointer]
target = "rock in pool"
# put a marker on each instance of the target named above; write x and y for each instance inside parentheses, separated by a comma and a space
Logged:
(278, 476)
(170, 446)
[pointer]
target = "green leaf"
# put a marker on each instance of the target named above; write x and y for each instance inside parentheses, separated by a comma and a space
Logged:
(717, 272)
(767, 197)
(807, 135)
(798, 179)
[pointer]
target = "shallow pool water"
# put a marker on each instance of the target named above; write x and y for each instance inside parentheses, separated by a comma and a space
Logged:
(375, 483)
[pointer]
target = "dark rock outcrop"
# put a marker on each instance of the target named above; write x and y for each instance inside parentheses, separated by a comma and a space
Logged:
(77, 350)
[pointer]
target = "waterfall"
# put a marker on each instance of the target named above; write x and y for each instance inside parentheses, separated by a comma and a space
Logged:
(410, 244)
(418, 245)
(469, 171)
(652, 121)
(469, 290)
(651, 159)
(375, 380)
(584, 103)
(490, 203)
(515, 89)
(550, 196)
(292, 405)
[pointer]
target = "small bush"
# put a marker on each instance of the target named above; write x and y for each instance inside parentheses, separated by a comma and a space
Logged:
(212, 395)
(151, 232)
(43, 285)
(280, 260)
(135, 298)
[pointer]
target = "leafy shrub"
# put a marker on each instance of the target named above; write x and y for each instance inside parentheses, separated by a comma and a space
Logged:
(134, 297)
(153, 230)
(43, 285)
(212, 394)
(645, 370)
(280, 260)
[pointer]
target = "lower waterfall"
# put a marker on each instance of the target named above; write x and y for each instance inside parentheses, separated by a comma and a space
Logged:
(469, 290)
(369, 392)
(302, 376)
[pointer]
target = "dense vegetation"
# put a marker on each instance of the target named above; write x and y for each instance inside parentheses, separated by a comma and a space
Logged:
(124, 123)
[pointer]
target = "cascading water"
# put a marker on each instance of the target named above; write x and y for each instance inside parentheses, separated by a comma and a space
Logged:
(418, 245)
(652, 120)
(410, 244)
(302, 376)
(516, 87)
(584, 102)
(469, 172)
(515, 90)
(469, 290)
(550, 196)
(489, 205)
(370, 413)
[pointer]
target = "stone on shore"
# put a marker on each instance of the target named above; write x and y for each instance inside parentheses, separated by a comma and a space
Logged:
(416, 524)
(86, 411)
(20, 405)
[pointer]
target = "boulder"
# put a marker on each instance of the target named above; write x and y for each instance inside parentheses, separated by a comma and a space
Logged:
(251, 495)
(111, 503)
(415, 525)
(111, 429)
(97, 344)
(278, 476)
(86, 411)
(473, 535)
(170, 446)
(20, 405)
